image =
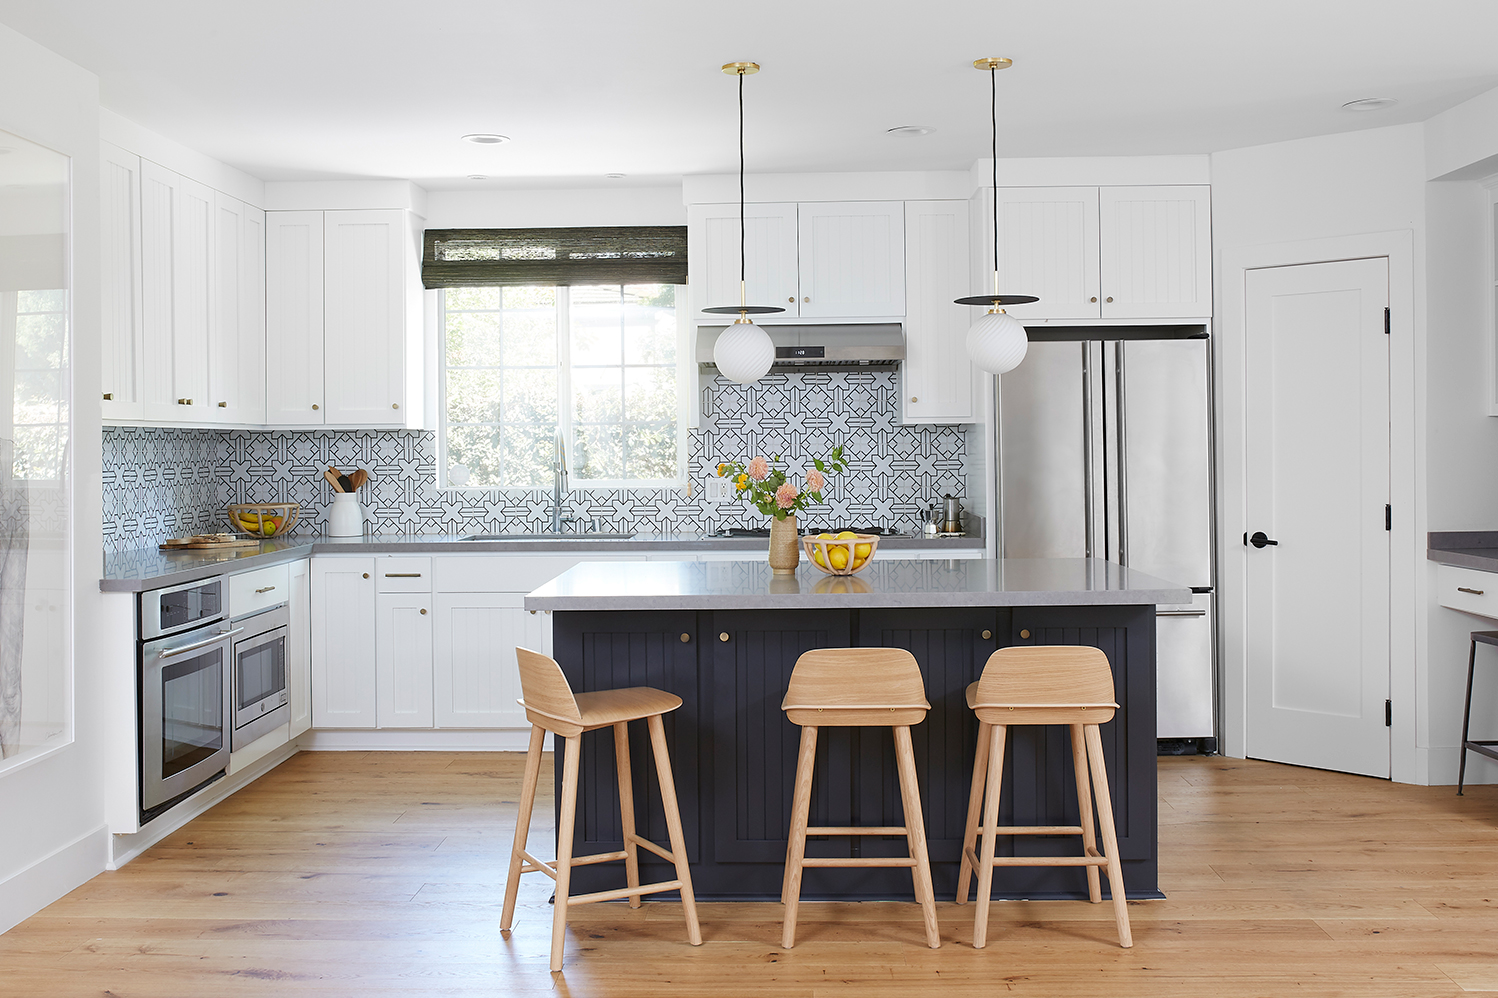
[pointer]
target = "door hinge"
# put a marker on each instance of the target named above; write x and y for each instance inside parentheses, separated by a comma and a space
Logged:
(1386, 322)
(1388, 713)
(1388, 517)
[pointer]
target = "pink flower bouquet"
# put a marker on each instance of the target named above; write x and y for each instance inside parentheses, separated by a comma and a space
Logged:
(765, 484)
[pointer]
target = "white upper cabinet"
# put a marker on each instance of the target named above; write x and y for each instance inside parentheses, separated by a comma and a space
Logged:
(236, 341)
(852, 259)
(1048, 247)
(769, 256)
(177, 217)
(936, 380)
(370, 273)
(817, 260)
(1099, 253)
(294, 317)
(1156, 251)
(121, 345)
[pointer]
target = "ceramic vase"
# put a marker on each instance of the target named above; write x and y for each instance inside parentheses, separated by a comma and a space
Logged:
(785, 546)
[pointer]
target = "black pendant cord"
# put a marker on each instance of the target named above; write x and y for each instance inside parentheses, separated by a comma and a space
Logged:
(742, 268)
(993, 82)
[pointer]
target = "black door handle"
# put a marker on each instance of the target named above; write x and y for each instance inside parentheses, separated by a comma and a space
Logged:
(1259, 539)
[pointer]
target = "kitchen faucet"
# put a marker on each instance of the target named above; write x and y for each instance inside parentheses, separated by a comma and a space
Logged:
(558, 485)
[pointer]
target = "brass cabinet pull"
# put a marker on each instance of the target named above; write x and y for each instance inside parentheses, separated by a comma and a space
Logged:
(109, 396)
(723, 636)
(987, 635)
(265, 590)
(223, 405)
(184, 401)
(1024, 634)
(1464, 589)
(402, 575)
(685, 638)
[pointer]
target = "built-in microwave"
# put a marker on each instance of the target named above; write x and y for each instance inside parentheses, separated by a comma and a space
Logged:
(259, 681)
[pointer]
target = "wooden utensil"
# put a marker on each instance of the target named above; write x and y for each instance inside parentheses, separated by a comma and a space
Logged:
(331, 476)
(358, 479)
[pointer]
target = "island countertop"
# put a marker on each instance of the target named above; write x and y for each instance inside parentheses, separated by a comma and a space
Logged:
(885, 583)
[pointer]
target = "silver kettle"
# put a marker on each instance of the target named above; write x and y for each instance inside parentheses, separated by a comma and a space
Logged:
(951, 515)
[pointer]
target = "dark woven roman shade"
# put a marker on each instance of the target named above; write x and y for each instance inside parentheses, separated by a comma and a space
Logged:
(644, 254)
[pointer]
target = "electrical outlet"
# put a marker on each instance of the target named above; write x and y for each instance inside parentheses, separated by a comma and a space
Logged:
(718, 489)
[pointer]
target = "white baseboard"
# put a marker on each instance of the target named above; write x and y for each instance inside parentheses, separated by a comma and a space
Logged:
(419, 740)
(1445, 760)
(25, 893)
(127, 847)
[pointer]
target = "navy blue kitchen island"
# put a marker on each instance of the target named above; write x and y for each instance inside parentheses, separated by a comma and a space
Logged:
(724, 637)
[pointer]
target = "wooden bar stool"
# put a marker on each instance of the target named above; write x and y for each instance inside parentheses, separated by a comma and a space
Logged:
(1042, 685)
(1483, 747)
(551, 706)
(857, 687)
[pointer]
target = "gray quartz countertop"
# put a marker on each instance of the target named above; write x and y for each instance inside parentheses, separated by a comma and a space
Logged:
(149, 568)
(887, 582)
(1464, 548)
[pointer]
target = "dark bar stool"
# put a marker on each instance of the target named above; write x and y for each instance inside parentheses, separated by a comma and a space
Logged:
(1468, 745)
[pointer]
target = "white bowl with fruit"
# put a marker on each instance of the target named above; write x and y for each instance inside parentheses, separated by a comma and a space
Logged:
(264, 519)
(840, 554)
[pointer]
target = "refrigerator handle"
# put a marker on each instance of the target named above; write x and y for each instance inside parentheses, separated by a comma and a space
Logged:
(1121, 421)
(1087, 443)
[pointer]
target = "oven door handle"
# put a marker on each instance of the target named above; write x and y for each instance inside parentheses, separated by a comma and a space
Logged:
(184, 649)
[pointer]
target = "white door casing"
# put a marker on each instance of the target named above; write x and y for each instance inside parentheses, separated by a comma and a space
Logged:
(1317, 462)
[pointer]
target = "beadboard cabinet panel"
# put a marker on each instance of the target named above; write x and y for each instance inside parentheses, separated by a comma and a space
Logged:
(1048, 247)
(1156, 252)
(475, 678)
(770, 239)
(403, 660)
(852, 259)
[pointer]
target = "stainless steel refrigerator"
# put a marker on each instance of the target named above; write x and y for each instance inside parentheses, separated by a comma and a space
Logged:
(1105, 451)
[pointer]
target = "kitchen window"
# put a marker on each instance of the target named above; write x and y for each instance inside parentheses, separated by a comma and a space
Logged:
(600, 365)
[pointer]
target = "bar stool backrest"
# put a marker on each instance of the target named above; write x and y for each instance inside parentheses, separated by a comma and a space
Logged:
(1027, 684)
(856, 686)
(545, 691)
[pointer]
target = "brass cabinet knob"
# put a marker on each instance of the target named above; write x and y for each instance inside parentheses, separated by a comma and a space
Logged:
(366, 575)
(987, 635)
(1024, 634)
(1109, 298)
(685, 638)
(1093, 299)
(914, 399)
(423, 613)
(109, 396)
(395, 405)
(723, 636)
(806, 299)
(791, 298)
(314, 406)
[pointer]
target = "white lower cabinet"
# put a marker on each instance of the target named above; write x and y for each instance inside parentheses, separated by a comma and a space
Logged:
(299, 647)
(403, 660)
(343, 643)
(475, 679)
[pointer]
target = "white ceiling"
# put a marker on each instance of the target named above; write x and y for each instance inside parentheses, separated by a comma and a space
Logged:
(330, 89)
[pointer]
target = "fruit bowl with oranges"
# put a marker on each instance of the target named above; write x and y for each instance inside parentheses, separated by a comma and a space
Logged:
(840, 554)
(264, 519)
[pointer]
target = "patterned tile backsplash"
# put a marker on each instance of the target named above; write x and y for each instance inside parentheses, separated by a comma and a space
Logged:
(164, 482)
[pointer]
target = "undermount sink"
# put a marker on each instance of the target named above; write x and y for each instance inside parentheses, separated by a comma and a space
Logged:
(547, 537)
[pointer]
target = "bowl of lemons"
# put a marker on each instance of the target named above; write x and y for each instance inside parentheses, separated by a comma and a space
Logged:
(840, 554)
(264, 519)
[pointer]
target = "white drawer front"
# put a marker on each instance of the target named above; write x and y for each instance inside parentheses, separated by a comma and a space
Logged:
(403, 575)
(1468, 590)
(253, 591)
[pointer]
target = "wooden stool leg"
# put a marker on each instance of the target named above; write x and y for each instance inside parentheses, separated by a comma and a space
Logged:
(1110, 836)
(800, 817)
(673, 827)
(915, 833)
(974, 810)
(1461, 772)
(572, 757)
(1084, 809)
(627, 810)
(522, 825)
(990, 834)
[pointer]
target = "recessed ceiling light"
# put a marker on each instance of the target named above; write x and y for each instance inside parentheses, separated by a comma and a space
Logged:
(486, 138)
(910, 130)
(613, 176)
(477, 176)
(1370, 104)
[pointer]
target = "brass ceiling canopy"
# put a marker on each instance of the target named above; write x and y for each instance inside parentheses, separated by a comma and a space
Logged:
(993, 62)
(744, 68)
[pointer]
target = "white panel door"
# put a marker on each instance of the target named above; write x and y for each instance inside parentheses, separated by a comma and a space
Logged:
(299, 647)
(236, 343)
(158, 208)
(343, 643)
(192, 288)
(364, 317)
(1317, 614)
(769, 257)
(403, 659)
(1048, 247)
(852, 259)
(936, 380)
(121, 361)
(475, 679)
(294, 317)
(1156, 251)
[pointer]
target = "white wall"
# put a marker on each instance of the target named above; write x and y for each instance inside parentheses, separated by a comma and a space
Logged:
(180, 159)
(1289, 202)
(561, 208)
(53, 837)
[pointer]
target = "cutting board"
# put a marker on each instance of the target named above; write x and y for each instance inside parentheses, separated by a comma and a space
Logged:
(206, 542)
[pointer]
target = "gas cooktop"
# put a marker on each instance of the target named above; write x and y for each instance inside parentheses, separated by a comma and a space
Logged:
(765, 531)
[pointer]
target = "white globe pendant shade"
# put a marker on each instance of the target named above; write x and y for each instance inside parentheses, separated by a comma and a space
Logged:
(743, 353)
(997, 342)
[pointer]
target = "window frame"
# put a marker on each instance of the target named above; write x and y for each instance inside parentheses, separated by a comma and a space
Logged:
(685, 385)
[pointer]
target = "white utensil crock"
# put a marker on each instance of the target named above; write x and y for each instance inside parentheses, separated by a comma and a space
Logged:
(345, 516)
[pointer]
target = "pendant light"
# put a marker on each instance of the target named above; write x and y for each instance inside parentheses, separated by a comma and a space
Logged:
(743, 351)
(997, 342)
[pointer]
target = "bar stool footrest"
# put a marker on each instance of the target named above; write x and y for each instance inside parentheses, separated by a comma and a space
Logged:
(645, 843)
(857, 830)
(666, 885)
(858, 861)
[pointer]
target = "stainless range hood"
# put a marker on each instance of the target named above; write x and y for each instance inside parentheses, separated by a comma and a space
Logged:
(855, 346)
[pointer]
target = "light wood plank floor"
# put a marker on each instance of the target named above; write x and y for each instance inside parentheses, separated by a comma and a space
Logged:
(381, 874)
